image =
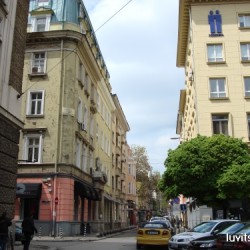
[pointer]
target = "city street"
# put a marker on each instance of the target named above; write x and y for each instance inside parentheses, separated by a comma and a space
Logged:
(123, 241)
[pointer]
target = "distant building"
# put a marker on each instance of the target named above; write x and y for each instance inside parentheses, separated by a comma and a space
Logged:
(12, 45)
(66, 163)
(214, 50)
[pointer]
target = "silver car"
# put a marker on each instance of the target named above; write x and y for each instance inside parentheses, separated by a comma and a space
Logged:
(181, 240)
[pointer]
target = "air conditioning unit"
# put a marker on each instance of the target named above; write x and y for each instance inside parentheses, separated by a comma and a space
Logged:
(36, 70)
(82, 126)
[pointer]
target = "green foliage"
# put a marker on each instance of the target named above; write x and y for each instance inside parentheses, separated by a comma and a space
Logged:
(197, 167)
(234, 183)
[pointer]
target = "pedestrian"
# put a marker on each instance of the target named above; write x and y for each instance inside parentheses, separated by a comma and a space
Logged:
(29, 229)
(5, 222)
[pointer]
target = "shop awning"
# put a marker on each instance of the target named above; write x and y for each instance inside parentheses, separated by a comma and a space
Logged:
(86, 191)
(82, 190)
(28, 190)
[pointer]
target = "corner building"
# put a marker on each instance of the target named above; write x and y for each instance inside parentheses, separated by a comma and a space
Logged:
(214, 50)
(13, 23)
(65, 156)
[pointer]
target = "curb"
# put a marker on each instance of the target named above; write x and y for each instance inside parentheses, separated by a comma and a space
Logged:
(98, 236)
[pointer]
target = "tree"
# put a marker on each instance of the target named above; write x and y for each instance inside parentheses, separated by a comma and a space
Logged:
(205, 168)
(140, 158)
(148, 180)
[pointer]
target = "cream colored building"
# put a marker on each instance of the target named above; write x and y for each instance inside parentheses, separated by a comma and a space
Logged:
(214, 50)
(65, 168)
(119, 164)
(131, 189)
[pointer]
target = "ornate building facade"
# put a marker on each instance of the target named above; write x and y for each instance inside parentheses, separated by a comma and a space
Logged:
(65, 169)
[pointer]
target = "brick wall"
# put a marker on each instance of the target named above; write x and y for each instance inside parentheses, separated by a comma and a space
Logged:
(9, 132)
(19, 43)
(9, 139)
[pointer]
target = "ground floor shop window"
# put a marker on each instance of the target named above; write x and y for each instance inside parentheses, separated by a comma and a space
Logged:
(29, 206)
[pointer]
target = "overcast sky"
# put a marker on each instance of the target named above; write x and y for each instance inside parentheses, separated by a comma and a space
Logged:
(139, 47)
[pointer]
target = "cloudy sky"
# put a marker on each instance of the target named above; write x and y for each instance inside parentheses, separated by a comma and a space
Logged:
(139, 46)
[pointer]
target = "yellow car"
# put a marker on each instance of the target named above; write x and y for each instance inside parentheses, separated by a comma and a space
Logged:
(153, 233)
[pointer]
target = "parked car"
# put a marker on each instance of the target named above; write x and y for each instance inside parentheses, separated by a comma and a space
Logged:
(209, 242)
(238, 240)
(157, 218)
(155, 233)
(169, 225)
(181, 240)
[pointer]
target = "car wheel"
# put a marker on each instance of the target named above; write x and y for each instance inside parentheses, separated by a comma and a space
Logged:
(138, 246)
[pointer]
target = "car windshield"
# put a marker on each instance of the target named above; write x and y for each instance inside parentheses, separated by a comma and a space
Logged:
(233, 228)
(157, 218)
(153, 225)
(245, 230)
(204, 227)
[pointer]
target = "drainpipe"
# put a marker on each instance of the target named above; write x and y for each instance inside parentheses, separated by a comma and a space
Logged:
(58, 146)
(58, 136)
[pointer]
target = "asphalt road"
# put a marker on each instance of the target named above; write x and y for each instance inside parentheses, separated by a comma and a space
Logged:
(124, 241)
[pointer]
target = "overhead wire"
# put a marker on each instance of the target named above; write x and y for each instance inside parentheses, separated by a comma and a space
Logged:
(18, 96)
(113, 15)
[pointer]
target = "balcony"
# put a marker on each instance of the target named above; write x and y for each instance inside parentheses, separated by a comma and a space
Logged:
(118, 151)
(99, 176)
(123, 176)
(93, 107)
(117, 193)
(118, 172)
(122, 196)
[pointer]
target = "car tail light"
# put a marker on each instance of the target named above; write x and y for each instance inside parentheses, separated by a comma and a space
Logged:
(140, 232)
(165, 232)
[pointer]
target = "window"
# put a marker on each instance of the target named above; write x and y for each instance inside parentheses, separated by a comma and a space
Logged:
(91, 127)
(78, 153)
(40, 23)
(248, 123)
(217, 88)
(245, 52)
(33, 148)
(247, 86)
(85, 117)
(1, 27)
(81, 73)
(42, 2)
(129, 168)
(220, 124)
(98, 101)
(38, 63)
(84, 158)
(79, 111)
(244, 21)
(35, 103)
(215, 53)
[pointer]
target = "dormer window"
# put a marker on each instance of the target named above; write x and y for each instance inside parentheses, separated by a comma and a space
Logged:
(42, 3)
(40, 24)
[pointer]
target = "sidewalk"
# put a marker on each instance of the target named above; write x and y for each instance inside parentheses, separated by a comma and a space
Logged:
(87, 238)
